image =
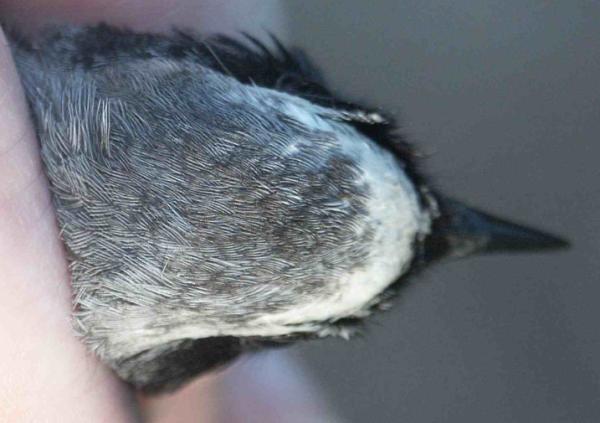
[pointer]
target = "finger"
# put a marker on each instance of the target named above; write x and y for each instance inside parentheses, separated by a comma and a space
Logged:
(200, 401)
(271, 387)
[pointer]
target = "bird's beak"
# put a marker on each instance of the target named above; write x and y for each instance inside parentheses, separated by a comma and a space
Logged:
(461, 231)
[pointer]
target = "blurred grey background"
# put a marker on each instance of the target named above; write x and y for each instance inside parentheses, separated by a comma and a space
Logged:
(505, 98)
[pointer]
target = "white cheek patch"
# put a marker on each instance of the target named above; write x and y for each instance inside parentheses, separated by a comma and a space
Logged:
(395, 216)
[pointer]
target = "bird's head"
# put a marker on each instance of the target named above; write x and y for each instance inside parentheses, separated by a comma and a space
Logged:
(220, 198)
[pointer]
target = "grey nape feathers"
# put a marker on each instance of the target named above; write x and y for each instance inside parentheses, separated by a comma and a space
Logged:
(215, 197)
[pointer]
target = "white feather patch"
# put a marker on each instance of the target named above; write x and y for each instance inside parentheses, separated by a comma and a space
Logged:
(394, 213)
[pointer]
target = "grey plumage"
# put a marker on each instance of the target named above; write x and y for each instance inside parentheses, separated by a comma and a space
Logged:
(197, 207)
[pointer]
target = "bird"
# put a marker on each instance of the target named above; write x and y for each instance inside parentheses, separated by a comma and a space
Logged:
(216, 197)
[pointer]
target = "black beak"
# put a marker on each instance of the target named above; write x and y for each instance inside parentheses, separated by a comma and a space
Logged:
(461, 231)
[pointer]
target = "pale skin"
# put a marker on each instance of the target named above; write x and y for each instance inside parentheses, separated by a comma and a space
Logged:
(47, 373)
